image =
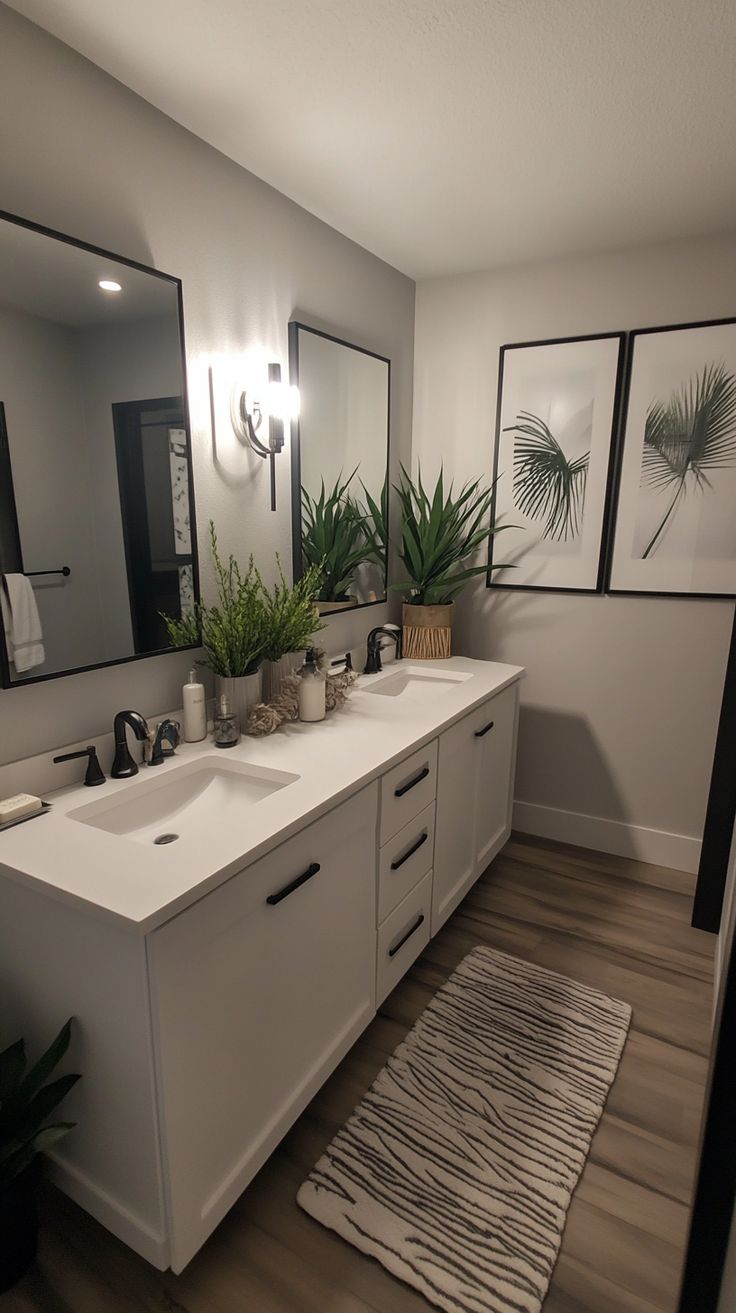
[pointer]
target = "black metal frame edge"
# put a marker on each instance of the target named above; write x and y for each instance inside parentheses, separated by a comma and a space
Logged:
(606, 522)
(5, 680)
(640, 592)
(296, 464)
(715, 1188)
(721, 810)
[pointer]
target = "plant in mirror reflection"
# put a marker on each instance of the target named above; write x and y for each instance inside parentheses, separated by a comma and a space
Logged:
(687, 437)
(335, 537)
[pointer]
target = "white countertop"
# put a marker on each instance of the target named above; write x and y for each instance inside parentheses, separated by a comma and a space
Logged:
(115, 876)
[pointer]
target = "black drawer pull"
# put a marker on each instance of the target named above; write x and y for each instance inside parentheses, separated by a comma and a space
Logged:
(273, 899)
(399, 793)
(419, 921)
(480, 732)
(410, 852)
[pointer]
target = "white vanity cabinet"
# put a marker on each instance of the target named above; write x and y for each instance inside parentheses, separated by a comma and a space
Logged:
(257, 992)
(474, 798)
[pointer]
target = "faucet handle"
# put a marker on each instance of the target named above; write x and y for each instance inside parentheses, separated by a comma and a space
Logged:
(94, 773)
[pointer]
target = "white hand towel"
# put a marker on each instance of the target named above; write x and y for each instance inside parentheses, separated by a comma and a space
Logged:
(22, 623)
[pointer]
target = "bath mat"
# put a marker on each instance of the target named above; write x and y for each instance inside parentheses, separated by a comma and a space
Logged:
(457, 1167)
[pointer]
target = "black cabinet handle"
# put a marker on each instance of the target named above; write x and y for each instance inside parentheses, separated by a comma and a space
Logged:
(399, 793)
(410, 852)
(419, 921)
(273, 899)
(480, 732)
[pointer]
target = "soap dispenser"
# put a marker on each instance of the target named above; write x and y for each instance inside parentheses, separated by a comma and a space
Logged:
(312, 689)
(195, 711)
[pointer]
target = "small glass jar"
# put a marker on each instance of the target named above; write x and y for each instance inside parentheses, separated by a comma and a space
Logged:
(227, 728)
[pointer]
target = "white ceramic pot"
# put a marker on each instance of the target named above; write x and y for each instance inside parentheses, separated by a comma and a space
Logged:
(274, 672)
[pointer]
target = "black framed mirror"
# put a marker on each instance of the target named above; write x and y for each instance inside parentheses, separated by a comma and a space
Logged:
(339, 467)
(97, 520)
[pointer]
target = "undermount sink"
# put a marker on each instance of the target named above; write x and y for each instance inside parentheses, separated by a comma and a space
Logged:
(417, 683)
(185, 802)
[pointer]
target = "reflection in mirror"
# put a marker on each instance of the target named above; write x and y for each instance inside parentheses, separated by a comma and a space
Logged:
(96, 497)
(340, 467)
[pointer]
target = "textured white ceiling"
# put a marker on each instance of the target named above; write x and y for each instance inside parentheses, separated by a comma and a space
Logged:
(448, 135)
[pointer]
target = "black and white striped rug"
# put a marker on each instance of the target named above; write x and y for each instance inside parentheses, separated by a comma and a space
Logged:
(457, 1168)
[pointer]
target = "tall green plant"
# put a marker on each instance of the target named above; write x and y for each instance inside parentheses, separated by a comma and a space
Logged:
(334, 536)
(235, 631)
(376, 519)
(688, 437)
(439, 533)
(291, 614)
(26, 1103)
(547, 486)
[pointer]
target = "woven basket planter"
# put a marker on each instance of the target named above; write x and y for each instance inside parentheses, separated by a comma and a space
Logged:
(427, 631)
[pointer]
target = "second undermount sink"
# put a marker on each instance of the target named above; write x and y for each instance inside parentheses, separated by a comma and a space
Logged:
(417, 683)
(185, 802)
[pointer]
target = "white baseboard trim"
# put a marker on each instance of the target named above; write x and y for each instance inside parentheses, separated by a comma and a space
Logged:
(679, 851)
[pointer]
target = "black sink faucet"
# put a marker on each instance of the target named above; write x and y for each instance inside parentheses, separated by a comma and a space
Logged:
(123, 765)
(374, 645)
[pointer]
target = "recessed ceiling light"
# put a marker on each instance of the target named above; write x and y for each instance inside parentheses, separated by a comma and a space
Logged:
(109, 285)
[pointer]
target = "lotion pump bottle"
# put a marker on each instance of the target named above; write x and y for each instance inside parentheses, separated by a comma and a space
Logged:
(195, 711)
(312, 689)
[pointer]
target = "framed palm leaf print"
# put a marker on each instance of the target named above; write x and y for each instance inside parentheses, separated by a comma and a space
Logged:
(675, 519)
(556, 423)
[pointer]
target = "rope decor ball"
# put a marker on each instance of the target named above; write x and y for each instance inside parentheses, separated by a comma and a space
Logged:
(266, 718)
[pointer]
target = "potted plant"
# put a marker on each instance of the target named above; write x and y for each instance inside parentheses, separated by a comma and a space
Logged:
(440, 532)
(334, 538)
(292, 619)
(26, 1102)
(233, 631)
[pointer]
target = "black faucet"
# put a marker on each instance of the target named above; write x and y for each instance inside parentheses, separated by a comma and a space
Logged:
(123, 765)
(373, 652)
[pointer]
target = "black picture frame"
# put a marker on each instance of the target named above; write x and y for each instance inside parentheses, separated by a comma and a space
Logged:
(5, 675)
(609, 588)
(616, 412)
(295, 326)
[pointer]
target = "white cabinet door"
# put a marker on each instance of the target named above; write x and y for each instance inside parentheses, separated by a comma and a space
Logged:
(258, 991)
(474, 784)
(496, 740)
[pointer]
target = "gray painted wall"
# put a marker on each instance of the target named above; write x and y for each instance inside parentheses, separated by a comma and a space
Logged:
(82, 154)
(621, 701)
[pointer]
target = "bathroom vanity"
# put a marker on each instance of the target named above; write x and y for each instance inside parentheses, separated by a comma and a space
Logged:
(223, 928)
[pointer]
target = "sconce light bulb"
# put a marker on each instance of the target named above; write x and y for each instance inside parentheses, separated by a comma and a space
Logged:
(109, 285)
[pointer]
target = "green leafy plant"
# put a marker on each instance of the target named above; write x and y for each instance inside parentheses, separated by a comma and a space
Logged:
(547, 485)
(688, 437)
(334, 538)
(235, 631)
(376, 522)
(291, 615)
(439, 533)
(26, 1101)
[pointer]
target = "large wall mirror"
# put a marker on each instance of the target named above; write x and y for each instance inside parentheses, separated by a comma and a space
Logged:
(340, 448)
(97, 534)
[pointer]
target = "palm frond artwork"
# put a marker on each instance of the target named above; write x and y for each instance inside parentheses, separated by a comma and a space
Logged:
(547, 486)
(687, 437)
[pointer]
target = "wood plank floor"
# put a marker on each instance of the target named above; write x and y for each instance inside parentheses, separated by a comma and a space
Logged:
(613, 923)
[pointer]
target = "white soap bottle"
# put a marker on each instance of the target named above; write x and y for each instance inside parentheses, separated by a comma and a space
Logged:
(195, 711)
(312, 689)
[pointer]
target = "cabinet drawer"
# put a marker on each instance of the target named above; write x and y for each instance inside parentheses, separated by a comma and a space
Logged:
(407, 789)
(402, 937)
(404, 860)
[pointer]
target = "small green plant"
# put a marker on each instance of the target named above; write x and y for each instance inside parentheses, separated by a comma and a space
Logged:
(438, 535)
(26, 1102)
(291, 614)
(334, 538)
(235, 631)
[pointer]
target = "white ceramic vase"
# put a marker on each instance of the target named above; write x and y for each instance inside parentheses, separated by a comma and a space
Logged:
(274, 671)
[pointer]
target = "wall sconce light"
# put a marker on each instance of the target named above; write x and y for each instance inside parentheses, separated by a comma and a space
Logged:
(247, 420)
